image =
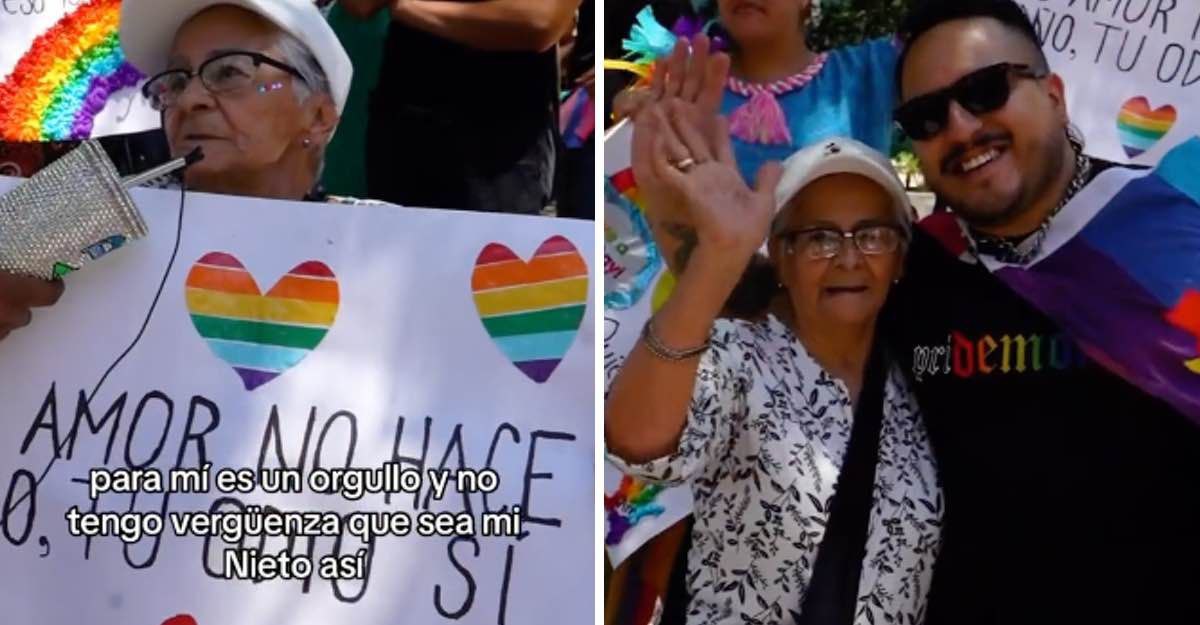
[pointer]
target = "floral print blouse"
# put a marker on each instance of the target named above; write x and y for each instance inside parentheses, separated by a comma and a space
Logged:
(764, 441)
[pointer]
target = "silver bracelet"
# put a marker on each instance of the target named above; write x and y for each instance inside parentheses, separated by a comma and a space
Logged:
(653, 343)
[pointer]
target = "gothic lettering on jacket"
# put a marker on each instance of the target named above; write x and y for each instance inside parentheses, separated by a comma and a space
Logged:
(966, 356)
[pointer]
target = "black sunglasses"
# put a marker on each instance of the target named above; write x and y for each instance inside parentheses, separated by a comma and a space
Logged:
(982, 91)
(223, 73)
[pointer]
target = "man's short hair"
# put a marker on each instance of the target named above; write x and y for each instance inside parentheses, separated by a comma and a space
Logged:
(931, 13)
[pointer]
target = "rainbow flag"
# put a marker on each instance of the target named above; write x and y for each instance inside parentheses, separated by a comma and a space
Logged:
(577, 119)
(1119, 272)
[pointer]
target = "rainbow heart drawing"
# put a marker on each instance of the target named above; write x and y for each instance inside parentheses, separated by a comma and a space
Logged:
(532, 310)
(260, 336)
(1140, 128)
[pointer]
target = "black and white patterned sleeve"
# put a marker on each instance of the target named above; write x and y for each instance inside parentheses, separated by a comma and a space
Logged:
(718, 402)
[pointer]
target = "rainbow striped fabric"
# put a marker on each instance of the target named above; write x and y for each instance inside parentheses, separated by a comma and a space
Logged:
(577, 119)
(532, 310)
(260, 336)
(1118, 273)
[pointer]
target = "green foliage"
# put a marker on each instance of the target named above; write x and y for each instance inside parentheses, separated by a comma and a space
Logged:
(909, 169)
(846, 22)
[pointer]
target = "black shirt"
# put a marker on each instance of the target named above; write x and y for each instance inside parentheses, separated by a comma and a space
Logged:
(1071, 496)
(451, 126)
(495, 97)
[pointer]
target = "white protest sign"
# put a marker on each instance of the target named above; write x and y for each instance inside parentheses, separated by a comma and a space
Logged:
(636, 282)
(425, 340)
(62, 72)
(1131, 68)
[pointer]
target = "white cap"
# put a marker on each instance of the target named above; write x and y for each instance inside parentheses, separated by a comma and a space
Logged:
(839, 155)
(148, 29)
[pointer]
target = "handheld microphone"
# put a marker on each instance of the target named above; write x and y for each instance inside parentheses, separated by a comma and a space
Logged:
(73, 212)
(169, 167)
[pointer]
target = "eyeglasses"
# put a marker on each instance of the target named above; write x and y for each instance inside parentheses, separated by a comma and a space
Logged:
(225, 73)
(982, 91)
(826, 243)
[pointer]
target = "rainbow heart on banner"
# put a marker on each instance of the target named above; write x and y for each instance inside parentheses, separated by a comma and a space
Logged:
(532, 310)
(1141, 128)
(260, 336)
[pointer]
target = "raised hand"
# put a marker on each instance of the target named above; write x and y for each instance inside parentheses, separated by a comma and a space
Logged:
(696, 200)
(693, 74)
(684, 164)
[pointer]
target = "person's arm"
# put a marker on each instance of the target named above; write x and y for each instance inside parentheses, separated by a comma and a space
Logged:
(499, 25)
(701, 86)
(362, 9)
(648, 404)
(19, 295)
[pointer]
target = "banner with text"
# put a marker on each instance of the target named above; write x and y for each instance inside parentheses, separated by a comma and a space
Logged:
(1131, 68)
(306, 413)
(636, 283)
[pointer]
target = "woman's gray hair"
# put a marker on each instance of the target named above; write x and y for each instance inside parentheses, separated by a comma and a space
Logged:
(296, 54)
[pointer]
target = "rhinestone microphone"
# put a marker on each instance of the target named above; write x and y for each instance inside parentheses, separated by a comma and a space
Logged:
(73, 212)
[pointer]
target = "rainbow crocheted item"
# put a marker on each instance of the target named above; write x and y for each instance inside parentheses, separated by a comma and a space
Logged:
(632, 502)
(64, 80)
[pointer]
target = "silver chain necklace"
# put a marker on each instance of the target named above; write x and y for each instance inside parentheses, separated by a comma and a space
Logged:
(1025, 250)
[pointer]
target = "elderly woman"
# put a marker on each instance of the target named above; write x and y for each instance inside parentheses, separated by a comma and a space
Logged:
(259, 86)
(815, 491)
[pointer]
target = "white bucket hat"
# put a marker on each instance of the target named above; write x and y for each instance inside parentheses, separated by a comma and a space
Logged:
(148, 29)
(839, 155)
